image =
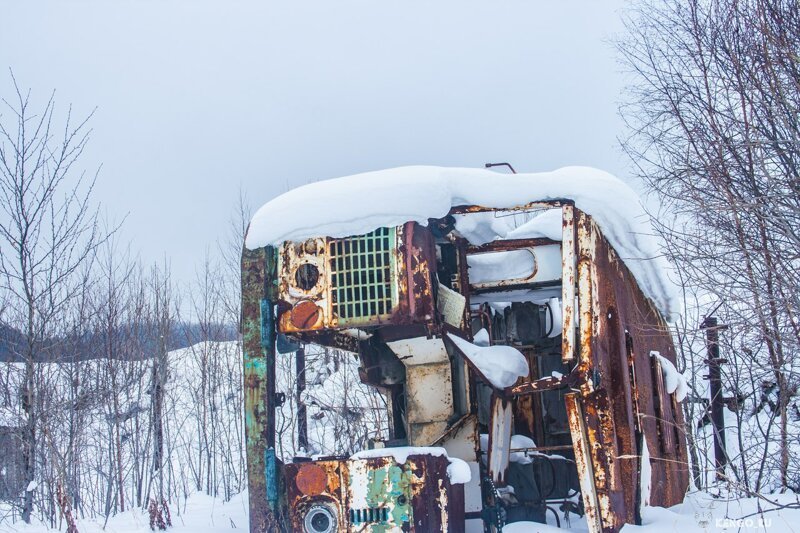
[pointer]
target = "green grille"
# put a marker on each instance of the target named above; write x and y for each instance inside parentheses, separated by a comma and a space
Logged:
(361, 276)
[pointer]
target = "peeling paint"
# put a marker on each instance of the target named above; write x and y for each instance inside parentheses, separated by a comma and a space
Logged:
(616, 397)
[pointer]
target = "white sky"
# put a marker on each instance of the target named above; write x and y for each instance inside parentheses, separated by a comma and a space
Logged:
(196, 98)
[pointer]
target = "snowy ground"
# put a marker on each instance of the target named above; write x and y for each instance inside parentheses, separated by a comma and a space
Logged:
(200, 513)
(700, 513)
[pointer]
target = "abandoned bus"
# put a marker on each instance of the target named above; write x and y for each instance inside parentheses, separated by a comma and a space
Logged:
(514, 324)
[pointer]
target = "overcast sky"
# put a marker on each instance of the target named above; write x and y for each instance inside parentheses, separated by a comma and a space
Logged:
(196, 99)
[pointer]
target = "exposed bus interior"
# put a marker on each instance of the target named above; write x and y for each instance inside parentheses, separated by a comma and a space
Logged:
(504, 292)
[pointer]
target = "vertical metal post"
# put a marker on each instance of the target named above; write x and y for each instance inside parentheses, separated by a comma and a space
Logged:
(258, 358)
(712, 328)
(302, 422)
(569, 280)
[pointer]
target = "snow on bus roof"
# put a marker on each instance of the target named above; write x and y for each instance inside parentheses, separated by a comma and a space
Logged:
(358, 204)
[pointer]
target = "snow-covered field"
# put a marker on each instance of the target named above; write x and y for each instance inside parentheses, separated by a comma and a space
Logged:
(700, 513)
(199, 513)
(342, 414)
(203, 432)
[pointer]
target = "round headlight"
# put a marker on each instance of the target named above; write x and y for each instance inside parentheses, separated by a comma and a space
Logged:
(306, 276)
(320, 519)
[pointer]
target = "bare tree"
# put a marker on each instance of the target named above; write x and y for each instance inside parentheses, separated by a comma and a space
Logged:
(714, 133)
(163, 316)
(230, 253)
(48, 233)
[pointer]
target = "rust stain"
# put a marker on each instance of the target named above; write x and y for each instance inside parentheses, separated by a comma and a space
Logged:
(507, 245)
(381, 278)
(311, 479)
(617, 393)
(621, 396)
(305, 315)
(466, 209)
(568, 282)
(584, 465)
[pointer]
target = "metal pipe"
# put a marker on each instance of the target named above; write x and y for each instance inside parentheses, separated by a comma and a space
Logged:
(302, 421)
(490, 165)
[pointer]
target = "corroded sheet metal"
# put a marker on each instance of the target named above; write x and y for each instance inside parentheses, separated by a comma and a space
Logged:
(586, 312)
(603, 451)
(568, 283)
(583, 461)
(318, 483)
(465, 209)
(461, 441)
(429, 397)
(384, 277)
(376, 495)
(258, 341)
(418, 494)
(501, 424)
(429, 389)
(621, 393)
(507, 245)
(418, 251)
(294, 257)
(659, 415)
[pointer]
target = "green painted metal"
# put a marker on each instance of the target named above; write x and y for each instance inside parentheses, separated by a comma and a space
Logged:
(388, 495)
(271, 477)
(258, 354)
(363, 276)
(391, 487)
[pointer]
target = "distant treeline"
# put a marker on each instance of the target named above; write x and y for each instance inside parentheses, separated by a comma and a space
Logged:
(182, 335)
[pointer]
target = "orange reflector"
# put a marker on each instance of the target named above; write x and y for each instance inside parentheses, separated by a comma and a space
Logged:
(311, 480)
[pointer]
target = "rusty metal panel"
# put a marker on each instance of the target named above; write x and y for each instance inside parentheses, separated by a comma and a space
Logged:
(662, 404)
(568, 283)
(647, 331)
(465, 209)
(621, 390)
(599, 423)
(375, 495)
(303, 271)
(461, 441)
(586, 313)
(619, 327)
(500, 426)
(429, 398)
(315, 484)
(603, 452)
(429, 390)
(583, 461)
(383, 277)
(258, 341)
(418, 251)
